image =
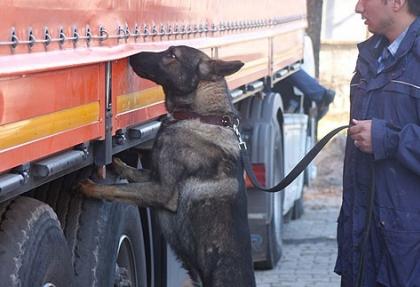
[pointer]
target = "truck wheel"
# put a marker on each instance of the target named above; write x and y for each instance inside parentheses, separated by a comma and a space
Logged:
(33, 250)
(105, 238)
(274, 228)
(262, 129)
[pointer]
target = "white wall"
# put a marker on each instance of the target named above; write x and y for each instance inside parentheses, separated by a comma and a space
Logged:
(341, 23)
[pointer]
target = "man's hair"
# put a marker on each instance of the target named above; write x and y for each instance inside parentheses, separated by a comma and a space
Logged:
(414, 7)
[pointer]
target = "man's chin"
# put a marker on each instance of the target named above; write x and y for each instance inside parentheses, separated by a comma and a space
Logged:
(371, 29)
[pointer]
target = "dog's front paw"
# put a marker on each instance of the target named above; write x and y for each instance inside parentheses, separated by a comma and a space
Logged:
(119, 166)
(87, 188)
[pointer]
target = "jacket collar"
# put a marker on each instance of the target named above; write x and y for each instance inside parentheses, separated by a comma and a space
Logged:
(409, 40)
(370, 49)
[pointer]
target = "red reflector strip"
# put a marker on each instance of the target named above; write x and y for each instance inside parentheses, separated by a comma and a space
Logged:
(259, 171)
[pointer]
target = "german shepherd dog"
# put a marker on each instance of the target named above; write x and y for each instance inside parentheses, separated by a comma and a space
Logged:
(196, 178)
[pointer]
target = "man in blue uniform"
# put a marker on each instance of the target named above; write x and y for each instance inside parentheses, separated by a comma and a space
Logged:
(379, 223)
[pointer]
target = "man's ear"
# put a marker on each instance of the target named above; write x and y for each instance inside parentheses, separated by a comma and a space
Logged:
(216, 69)
(398, 4)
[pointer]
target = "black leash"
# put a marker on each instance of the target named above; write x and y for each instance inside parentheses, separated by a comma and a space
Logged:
(233, 123)
(294, 173)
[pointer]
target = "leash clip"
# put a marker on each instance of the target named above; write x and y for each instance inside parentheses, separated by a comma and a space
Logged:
(235, 127)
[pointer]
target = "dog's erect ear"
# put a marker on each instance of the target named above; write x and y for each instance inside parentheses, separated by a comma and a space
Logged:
(226, 68)
(216, 69)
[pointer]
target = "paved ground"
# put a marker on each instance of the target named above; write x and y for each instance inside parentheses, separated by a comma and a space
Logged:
(310, 249)
(309, 253)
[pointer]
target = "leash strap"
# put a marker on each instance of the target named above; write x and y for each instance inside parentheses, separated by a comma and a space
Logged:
(302, 164)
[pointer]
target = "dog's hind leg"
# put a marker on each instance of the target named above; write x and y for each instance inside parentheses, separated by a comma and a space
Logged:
(194, 280)
(147, 194)
(194, 275)
(130, 173)
(229, 277)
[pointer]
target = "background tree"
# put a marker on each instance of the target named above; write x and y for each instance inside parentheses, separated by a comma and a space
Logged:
(314, 10)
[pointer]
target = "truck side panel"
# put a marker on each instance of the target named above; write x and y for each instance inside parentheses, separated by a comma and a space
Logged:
(47, 112)
(255, 55)
(287, 48)
(55, 58)
(135, 100)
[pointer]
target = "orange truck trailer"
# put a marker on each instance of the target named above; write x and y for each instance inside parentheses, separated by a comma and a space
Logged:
(69, 102)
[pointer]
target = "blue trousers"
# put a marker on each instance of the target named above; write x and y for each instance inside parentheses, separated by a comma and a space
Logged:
(308, 85)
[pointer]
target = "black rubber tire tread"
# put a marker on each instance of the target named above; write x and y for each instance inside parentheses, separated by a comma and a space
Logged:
(3, 209)
(33, 249)
(59, 194)
(94, 240)
(92, 229)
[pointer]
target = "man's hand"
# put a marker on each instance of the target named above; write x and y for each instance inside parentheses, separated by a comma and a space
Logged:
(360, 132)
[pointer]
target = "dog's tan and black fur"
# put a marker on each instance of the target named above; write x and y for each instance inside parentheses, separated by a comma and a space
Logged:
(196, 178)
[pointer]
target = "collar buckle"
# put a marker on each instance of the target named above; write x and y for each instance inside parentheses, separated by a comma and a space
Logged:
(235, 127)
(227, 121)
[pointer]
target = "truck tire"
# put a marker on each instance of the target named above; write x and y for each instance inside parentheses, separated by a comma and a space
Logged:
(274, 227)
(107, 243)
(33, 249)
(262, 127)
(105, 238)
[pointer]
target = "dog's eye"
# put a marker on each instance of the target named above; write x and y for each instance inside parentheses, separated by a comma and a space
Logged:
(171, 53)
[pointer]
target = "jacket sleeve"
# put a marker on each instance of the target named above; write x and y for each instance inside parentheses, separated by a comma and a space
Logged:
(403, 144)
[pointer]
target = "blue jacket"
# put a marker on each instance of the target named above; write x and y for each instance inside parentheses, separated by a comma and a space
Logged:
(391, 99)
